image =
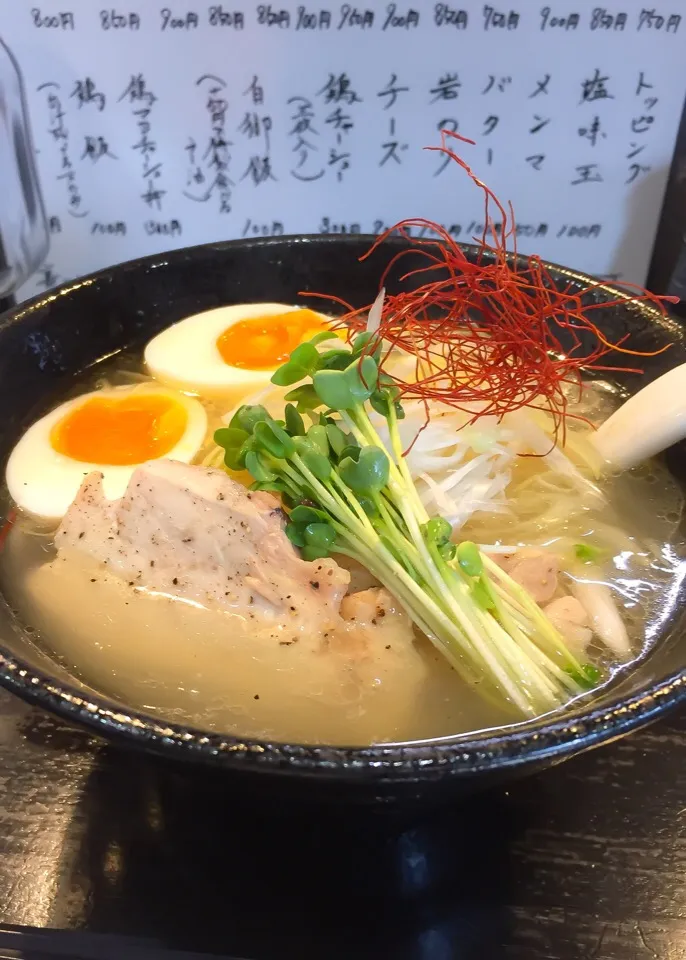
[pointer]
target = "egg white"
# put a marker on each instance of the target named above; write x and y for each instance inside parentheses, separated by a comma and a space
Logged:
(43, 482)
(186, 356)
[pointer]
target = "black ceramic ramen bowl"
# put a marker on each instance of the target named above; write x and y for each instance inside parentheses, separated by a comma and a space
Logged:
(49, 340)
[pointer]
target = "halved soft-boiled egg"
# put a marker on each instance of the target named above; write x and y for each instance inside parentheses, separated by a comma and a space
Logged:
(230, 352)
(112, 431)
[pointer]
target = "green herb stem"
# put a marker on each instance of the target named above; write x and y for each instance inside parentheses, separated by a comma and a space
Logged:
(354, 495)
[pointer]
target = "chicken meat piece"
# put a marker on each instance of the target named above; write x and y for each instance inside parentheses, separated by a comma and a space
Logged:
(535, 570)
(377, 635)
(194, 533)
(295, 641)
(377, 616)
(570, 618)
(360, 577)
(377, 648)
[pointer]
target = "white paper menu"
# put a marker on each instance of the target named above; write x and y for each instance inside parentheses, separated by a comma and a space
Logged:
(165, 125)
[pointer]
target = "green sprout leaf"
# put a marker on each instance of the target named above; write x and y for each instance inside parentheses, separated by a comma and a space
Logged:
(274, 439)
(361, 379)
(469, 559)
(269, 486)
(257, 468)
(321, 337)
(438, 530)
(587, 553)
(287, 374)
(336, 438)
(303, 515)
(351, 450)
(314, 553)
(316, 463)
(332, 389)
(586, 675)
(246, 417)
(335, 359)
(302, 363)
(229, 437)
(362, 342)
(232, 439)
(305, 356)
(321, 535)
(368, 505)
(380, 401)
(296, 534)
(234, 458)
(481, 594)
(369, 473)
(294, 422)
(318, 438)
(448, 551)
(305, 397)
(592, 673)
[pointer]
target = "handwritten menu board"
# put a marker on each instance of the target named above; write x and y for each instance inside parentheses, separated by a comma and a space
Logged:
(159, 126)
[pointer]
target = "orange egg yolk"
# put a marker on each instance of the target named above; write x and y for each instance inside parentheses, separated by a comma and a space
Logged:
(120, 431)
(262, 343)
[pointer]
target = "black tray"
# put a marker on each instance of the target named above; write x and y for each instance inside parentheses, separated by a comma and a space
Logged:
(104, 854)
(18, 943)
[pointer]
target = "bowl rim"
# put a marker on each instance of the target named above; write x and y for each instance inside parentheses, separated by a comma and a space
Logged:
(463, 755)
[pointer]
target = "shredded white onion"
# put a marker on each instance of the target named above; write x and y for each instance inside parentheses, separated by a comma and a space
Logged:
(375, 311)
(498, 549)
(458, 468)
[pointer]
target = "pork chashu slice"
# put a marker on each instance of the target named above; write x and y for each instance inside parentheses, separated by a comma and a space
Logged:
(194, 533)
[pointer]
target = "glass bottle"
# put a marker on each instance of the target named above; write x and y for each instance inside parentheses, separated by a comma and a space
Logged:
(24, 239)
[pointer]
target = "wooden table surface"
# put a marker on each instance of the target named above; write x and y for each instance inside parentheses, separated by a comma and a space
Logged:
(583, 862)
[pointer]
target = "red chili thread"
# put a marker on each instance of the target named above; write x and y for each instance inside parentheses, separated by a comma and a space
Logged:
(485, 334)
